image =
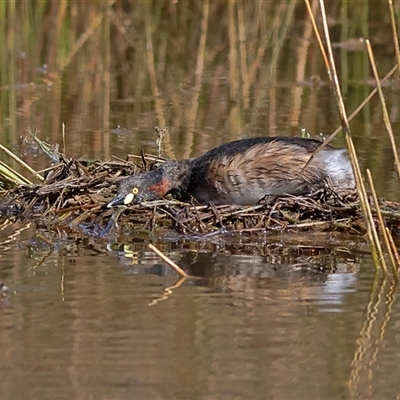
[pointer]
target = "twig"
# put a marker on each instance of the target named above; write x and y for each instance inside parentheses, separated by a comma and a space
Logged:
(179, 270)
(63, 138)
(41, 237)
(161, 132)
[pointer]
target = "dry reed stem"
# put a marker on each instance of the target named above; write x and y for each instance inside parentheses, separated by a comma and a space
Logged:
(394, 250)
(179, 270)
(327, 66)
(382, 223)
(385, 113)
(317, 35)
(352, 115)
(360, 107)
(365, 206)
(332, 71)
(363, 103)
(22, 163)
(13, 175)
(371, 228)
(366, 209)
(395, 34)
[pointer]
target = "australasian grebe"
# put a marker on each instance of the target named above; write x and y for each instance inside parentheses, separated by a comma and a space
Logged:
(242, 172)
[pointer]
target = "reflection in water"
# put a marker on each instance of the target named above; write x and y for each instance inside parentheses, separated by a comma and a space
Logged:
(365, 358)
(336, 286)
(282, 322)
(324, 278)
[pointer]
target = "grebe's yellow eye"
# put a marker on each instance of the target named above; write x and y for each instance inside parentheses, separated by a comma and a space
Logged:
(135, 190)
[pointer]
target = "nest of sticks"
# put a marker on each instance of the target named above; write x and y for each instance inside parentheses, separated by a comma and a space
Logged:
(75, 193)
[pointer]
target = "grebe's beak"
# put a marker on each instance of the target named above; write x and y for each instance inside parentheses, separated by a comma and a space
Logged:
(119, 200)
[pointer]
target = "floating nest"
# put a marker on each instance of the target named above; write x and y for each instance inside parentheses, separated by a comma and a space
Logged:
(75, 193)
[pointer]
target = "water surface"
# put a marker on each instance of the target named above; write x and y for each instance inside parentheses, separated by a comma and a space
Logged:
(275, 316)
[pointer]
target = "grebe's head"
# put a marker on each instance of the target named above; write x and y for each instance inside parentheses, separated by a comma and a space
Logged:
(142, 187)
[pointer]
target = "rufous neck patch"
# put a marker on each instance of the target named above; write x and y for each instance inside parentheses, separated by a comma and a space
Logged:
(162, 187)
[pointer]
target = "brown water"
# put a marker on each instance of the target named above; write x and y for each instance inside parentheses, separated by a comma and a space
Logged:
(81, 321)
(274, 316)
